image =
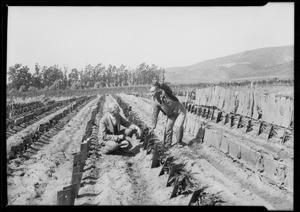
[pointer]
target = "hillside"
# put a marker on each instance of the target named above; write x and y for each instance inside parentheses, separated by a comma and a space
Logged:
(272, 61)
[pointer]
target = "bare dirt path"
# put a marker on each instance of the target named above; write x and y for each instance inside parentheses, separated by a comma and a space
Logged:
(37, 180)
(117, 179)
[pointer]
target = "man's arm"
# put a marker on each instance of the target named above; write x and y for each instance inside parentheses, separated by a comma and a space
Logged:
(155, 111)
(124, 122)
(127, 124)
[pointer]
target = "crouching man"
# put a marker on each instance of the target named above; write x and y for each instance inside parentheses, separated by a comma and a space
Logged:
(112, 137)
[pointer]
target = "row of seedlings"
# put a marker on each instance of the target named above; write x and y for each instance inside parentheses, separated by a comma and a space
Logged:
(257, 127)
(180, 177)
(13, 110)
(185, 183)
(23, 121)
(24, 117)
(277, 172)
(89, 175)
(20, 148)
(16, 109)
(88, 147)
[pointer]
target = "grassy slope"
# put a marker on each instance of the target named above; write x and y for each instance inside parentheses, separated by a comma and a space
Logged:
(264, 62)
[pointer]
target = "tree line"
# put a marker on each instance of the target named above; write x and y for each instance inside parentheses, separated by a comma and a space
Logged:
(54, 78)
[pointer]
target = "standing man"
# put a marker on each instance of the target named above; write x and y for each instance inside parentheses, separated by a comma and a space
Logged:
(169, 105)
(112, 136)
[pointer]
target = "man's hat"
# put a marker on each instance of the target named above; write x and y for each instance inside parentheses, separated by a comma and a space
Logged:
(112, 107)
(153, 89)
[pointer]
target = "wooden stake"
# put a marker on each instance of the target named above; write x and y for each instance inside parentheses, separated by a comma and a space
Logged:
(231, 120)
(219, 117)
(207, 115)
(195, 110)
(167, 162)
(239, 122)
(249, 125)
(172, 172)
(76, 178)
(199, 111)
(175, 190)
(78, 158)
(212, 114)
(189, 108)
(84, 147)
(65, 197)
(260, 128)
(195, 196)
(155, 161)
(271, 132)
(226, 119)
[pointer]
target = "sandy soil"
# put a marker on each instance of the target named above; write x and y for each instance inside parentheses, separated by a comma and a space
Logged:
(17, 137)
(37, 180)
(125, 180)
(128, 179)
(239, 186)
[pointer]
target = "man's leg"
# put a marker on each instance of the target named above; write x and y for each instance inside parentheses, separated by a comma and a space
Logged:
(169, 132)
(181, 129)
(180, 121)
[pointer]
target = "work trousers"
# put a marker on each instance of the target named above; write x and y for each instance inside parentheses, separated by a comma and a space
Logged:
(179, 116)
(111, 146)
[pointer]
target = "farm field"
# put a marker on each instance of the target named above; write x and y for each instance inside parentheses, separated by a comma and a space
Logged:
(237, 158)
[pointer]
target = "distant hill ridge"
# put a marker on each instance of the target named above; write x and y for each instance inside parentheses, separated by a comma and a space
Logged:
(264, 62)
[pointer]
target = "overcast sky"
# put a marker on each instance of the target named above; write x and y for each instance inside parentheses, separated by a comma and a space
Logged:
(165, 36)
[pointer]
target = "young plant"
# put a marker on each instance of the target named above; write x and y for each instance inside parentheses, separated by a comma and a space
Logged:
(185, 180)
(204, 198)
(213, 199)
(287, 136)
(205, 125)
(273, 132)
(262, 128)
(163, 155)
(168, 162)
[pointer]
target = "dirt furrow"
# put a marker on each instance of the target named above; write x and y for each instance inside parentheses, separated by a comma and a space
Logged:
(16, 129)
(238, 185)
(141, 195)
(118, 180)
(38, 179)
